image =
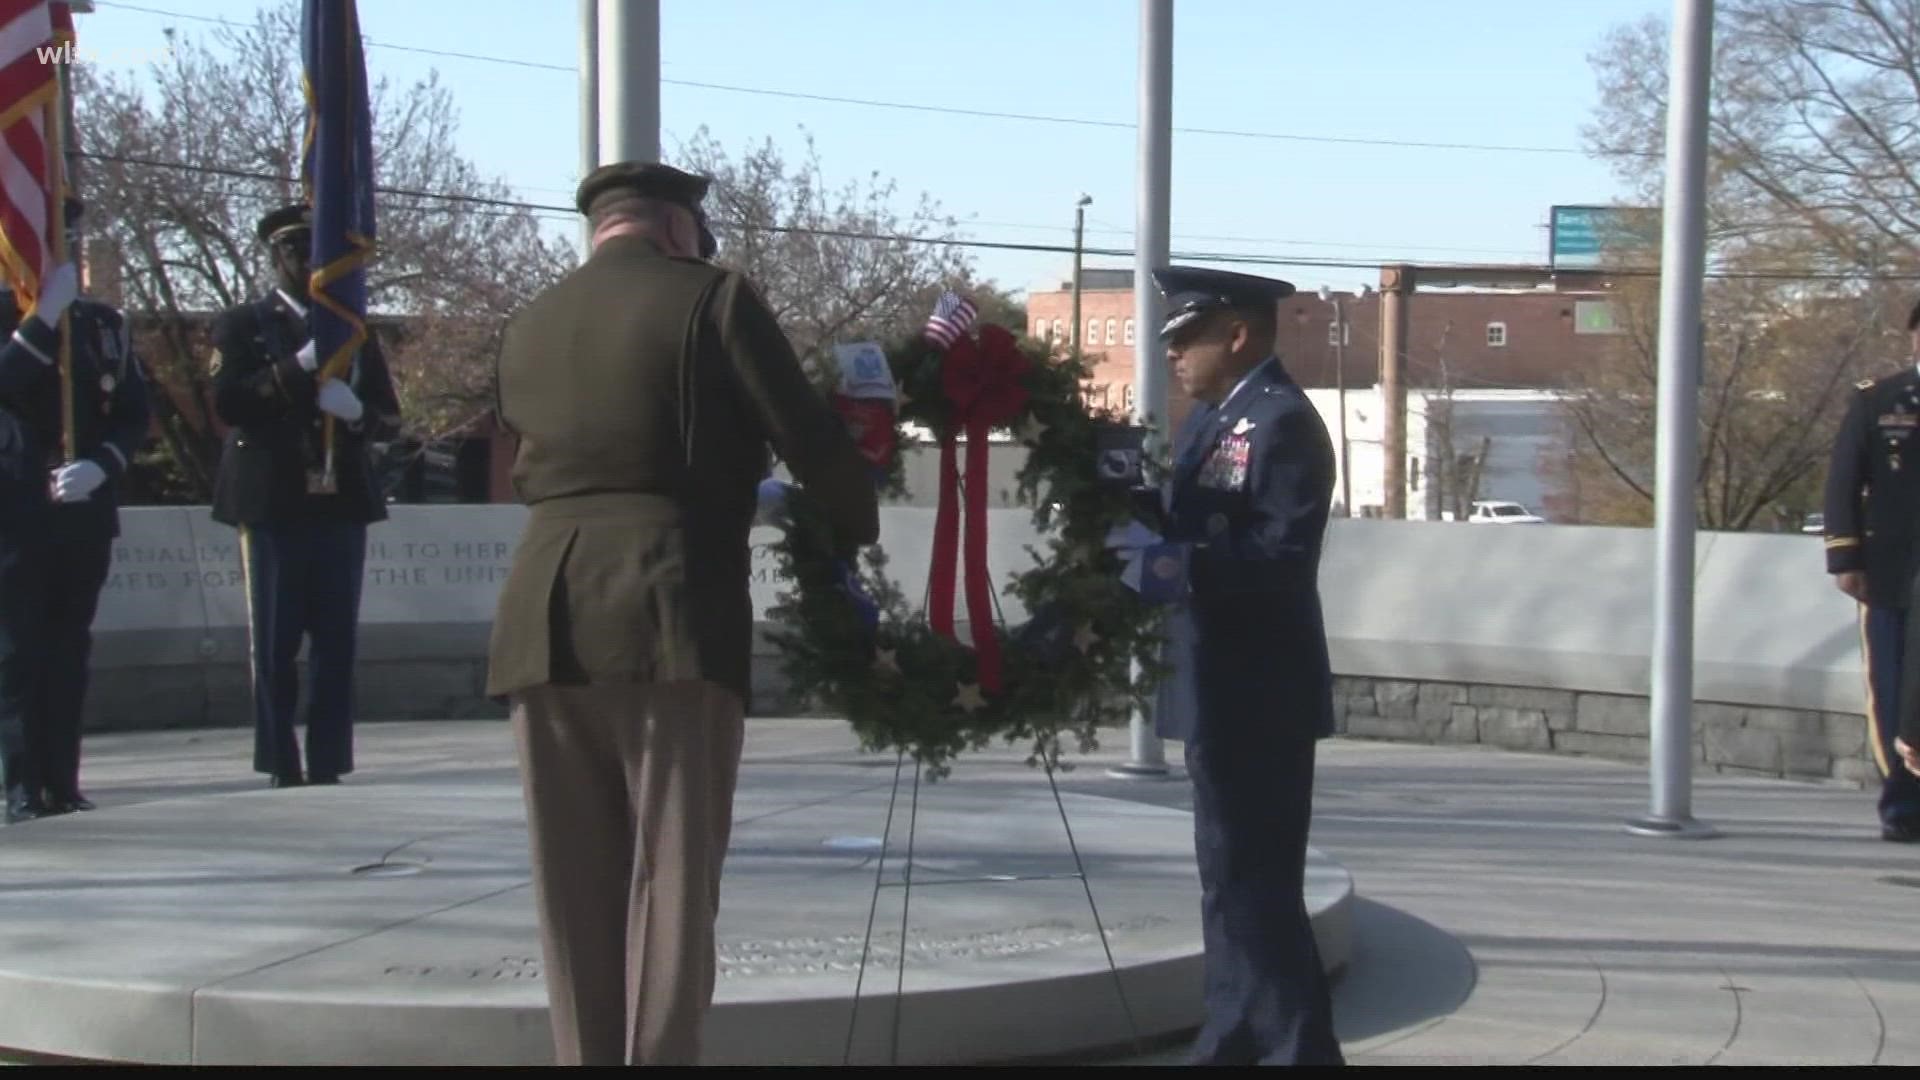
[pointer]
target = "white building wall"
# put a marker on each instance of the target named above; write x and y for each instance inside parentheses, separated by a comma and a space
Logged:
(1519, 480)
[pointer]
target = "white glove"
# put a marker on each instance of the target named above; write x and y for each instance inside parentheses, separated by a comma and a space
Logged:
(74, 482)
(309, 358)
(339, 399)
(57, 292)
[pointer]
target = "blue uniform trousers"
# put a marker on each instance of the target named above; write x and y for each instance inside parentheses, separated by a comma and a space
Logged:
(303, 582)
(51, 574)
(1884, 632)
(1267, 997)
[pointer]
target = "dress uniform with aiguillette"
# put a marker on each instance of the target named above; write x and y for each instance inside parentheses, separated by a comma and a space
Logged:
(1251, 692)
(1872, 526)
(58, 520)
(645, 389)
(303, 532)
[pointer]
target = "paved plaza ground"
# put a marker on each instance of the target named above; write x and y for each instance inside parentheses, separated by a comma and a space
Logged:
(1503, 915)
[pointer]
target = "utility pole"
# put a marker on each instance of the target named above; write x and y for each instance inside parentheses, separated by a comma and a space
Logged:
(1079, 232)
(1677, 438)
(1396, 290)
(1340, 383)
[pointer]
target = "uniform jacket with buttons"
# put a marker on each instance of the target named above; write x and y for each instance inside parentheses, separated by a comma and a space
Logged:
(1872, 511)
(1250, 493)
(276, 433)
(646, 392)
(111, 410)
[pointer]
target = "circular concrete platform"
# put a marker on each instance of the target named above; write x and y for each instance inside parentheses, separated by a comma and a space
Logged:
(390, 921)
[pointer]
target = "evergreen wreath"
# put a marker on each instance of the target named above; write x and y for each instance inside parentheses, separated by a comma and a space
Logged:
(854, 644)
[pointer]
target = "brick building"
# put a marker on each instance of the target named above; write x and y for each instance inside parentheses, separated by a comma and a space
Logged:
(1498, 360)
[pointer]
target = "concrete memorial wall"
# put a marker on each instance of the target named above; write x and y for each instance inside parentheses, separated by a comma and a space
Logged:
(1533, 637)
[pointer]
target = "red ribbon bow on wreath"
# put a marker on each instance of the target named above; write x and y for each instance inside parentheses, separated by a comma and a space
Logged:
(982, 385)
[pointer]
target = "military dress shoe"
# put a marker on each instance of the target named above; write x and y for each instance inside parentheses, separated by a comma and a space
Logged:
(19, 810)
(324, 778)
(287, 780)
(1900, 832)
(67, 804)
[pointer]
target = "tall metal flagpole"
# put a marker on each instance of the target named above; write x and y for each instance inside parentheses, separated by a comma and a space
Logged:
(1153, 200)
(1683, 267)
(57, 136)
(629, 74)
(589, 104)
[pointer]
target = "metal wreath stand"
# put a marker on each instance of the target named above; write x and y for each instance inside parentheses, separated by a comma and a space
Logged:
(906, 886)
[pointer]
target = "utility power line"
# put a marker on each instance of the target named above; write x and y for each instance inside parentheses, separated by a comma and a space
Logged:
(953, 110)
(1244, 258)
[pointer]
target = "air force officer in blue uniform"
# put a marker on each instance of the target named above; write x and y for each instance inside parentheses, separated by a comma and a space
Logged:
(1251, 692)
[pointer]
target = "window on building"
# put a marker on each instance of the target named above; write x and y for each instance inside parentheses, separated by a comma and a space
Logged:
(1128, 339)
(1093, 333)
(1127, 395)
(1040, 329)
(1413, 474)
(1059, 330)
(1113, 331)
(1595, 317)
(1496, 335)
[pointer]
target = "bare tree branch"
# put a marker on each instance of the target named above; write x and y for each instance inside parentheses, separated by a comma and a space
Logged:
(185, 243)
(1814, 126)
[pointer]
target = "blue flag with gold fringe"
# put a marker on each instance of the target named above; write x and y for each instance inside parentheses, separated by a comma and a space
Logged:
(336, 171)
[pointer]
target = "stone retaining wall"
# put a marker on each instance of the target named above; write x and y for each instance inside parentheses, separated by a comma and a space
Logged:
(1736, 739)
(1444, 631)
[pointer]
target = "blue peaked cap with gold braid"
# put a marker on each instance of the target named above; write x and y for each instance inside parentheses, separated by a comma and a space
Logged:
(1192, 291)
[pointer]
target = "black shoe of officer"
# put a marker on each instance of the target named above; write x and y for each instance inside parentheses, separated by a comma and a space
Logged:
(59, 803)
(25, 809)
(1900, 832)
(287, 780)
(323, 778)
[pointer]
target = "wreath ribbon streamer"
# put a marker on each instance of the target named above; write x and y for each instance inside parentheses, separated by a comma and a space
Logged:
(982, 383)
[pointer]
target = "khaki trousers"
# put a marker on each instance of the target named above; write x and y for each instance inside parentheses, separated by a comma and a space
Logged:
(629, 793)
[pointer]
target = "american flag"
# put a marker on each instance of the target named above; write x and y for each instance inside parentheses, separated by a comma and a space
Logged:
(31, 32)
(952, 317)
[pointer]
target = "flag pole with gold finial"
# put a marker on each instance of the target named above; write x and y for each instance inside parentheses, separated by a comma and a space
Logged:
(57, 232)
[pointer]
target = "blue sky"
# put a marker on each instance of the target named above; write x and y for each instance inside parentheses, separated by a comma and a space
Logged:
(1503, 72)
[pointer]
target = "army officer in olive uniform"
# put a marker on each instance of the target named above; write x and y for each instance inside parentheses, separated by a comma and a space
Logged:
(646, 389)
(1872, 525)
(1251, 691)
(303, 534)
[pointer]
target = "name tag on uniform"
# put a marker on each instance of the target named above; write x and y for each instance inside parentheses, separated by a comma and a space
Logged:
(1226, 469)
